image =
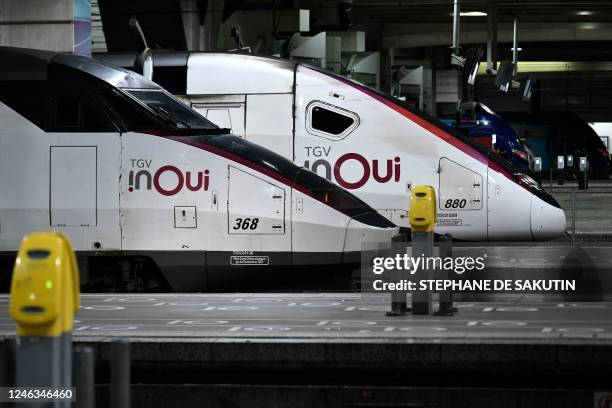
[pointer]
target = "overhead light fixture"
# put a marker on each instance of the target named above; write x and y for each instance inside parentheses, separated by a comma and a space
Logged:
(584, 13)
(472, 14)
(518, 49)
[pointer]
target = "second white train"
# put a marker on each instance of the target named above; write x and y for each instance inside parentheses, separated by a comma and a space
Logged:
(365, 141)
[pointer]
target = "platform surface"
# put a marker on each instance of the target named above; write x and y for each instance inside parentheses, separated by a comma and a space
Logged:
(328, 318)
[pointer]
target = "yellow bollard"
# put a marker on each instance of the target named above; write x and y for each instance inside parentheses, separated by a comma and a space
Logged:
(423, 209)
(422, 220)
(44, 298)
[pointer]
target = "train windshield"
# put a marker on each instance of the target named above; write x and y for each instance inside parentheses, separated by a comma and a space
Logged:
(170, 110)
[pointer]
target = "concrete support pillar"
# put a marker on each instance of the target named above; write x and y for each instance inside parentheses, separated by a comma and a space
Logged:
(212, 25)
(201, 22)
(54, 25)
(192, 25)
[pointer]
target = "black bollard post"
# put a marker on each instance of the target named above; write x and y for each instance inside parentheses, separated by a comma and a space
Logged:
(446, 296)
(120, 374)
(84, 377)
(7, 362)
(398, 298)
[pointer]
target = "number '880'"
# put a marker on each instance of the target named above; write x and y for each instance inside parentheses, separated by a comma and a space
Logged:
(455, 203)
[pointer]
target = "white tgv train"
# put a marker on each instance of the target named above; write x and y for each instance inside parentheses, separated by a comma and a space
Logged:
(363, 140)
(135, 178)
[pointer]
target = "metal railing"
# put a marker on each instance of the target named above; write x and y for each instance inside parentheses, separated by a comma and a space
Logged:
(588, 212)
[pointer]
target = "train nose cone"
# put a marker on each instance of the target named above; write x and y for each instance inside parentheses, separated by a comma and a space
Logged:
(547, 221)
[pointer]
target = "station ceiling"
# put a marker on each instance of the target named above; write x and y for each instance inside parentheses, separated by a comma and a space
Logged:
(587, 25)
(550, 32)
(420, 11)
(547, 30)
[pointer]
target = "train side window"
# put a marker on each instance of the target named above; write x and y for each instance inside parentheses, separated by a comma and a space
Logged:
(330, 121)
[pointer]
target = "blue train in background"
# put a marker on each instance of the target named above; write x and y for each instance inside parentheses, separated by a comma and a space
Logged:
(560, 133)
(477, 121)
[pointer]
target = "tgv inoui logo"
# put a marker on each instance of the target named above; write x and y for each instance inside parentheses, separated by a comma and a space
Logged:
(351, 166)
(167, 180)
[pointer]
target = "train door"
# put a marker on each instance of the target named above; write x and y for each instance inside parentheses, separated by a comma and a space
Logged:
(84, 189)
(73, 186)
(226, 112)
(256, 219)
(460, 200)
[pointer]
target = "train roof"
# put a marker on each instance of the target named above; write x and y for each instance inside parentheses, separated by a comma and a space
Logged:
(27, 64)
(249, 73)
(24, 64)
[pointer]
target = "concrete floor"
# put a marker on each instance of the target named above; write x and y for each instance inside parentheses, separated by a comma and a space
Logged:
(328, 316)
(341, 350)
